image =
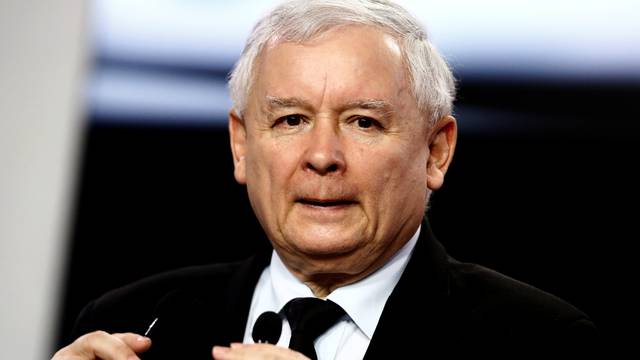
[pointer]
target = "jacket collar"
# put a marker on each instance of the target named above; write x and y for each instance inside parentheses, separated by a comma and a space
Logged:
(240, 293)
(415, 313)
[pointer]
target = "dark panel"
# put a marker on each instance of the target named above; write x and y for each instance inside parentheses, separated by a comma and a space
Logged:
(554, 212)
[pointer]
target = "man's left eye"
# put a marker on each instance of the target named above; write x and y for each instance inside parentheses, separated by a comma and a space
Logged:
(293, 120)
(365, 122)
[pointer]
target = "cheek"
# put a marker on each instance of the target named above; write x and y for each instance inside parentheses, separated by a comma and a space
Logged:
(270, 166)
(395, 162)
(396, 175)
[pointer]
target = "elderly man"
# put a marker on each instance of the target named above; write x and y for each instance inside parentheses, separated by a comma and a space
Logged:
(340, 130)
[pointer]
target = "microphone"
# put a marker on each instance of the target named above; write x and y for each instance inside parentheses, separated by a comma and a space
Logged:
(267, 328)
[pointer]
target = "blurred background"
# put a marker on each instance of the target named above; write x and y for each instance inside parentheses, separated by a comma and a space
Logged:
(543, 186)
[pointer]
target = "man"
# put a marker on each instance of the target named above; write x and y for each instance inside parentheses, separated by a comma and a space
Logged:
(341, 129)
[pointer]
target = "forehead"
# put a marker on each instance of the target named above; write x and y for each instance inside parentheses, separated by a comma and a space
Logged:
(345, 63)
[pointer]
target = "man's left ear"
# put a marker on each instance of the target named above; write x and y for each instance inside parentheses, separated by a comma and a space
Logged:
(442, 143)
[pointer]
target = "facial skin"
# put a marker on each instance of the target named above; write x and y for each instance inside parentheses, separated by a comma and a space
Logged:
(337, 158)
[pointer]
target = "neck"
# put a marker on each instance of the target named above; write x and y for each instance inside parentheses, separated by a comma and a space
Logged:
(326, 275)
(322, 286)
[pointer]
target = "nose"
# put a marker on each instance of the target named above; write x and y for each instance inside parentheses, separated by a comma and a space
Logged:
(324, 154)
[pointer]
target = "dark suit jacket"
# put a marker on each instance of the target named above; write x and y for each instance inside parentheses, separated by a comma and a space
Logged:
(439, 306)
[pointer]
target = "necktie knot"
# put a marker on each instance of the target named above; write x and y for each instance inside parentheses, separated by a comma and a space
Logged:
(310, 318)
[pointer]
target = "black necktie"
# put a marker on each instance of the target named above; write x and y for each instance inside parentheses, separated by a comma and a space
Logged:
(310, 318)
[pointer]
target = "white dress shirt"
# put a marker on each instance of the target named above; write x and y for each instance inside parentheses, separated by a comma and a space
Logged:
(363, 301)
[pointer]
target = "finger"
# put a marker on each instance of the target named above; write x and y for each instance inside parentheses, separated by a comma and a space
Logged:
(107, 347)
(96, 345)
(137, 343)
(219, 352)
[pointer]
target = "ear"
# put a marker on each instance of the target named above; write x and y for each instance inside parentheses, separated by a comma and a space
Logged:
(442, 143)
(238, 138)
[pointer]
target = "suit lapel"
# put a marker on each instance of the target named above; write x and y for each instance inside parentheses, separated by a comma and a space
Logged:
(414, 316)
(240, 293)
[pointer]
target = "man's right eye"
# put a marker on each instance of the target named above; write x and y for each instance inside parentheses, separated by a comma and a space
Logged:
(291, 120)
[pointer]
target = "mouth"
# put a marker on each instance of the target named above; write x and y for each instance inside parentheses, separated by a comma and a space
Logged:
(326, 203)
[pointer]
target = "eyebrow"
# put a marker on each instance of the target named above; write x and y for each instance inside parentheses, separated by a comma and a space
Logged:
(368, 104)
(280, 102)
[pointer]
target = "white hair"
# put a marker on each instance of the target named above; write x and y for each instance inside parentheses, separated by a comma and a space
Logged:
(432, 82)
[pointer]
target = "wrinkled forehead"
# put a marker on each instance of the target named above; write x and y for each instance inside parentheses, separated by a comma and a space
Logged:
(359, 39)
(346, 53)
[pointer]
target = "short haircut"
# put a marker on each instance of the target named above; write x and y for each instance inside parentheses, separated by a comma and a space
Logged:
(432, 83)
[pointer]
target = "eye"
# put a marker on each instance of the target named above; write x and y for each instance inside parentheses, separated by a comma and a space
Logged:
(365, 122)
(292, 120)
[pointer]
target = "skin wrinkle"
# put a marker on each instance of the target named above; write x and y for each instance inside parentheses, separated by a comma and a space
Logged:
(324, 89)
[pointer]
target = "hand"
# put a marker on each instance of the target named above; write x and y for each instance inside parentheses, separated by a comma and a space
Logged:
(105, 346)
(255, 351)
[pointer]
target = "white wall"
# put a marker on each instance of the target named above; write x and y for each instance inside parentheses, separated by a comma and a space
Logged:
(41, 63)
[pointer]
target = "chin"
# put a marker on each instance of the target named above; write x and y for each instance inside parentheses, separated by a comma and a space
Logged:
(325, 242)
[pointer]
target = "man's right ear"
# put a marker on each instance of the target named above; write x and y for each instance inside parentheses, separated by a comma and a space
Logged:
(238, 138)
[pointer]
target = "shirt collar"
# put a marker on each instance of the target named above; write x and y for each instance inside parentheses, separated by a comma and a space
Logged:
(365, 311)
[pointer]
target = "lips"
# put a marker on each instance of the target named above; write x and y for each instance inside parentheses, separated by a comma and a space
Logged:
(325, 202)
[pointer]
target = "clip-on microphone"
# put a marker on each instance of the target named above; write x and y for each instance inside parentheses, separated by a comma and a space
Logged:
(267, 328)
